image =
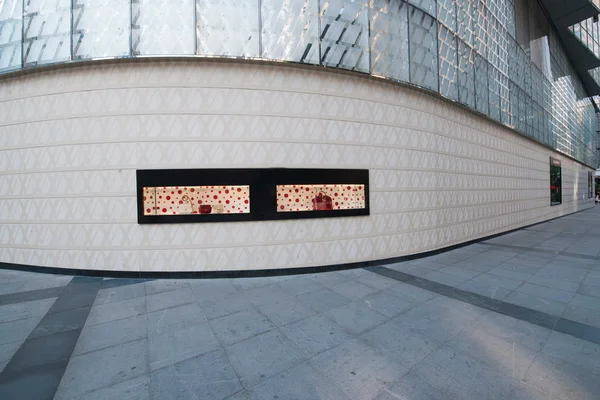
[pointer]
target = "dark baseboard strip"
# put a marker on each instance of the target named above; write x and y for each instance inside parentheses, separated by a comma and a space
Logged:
(557, 323)
(256, 273)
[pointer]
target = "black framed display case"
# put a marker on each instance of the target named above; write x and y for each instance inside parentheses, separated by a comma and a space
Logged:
(555, 182)
(226, 195)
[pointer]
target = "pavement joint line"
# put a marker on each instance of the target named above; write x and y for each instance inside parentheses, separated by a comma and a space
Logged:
(14, 382)
(545, 320)
(556, 253)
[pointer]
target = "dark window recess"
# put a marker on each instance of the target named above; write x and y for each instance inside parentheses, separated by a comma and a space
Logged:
(590, 184)
(220, 195)
(555, 182)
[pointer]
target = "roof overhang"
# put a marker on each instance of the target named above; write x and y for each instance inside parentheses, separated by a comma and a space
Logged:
(563, 14)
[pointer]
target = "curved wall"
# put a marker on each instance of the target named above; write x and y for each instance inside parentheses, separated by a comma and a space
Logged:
(71, 140)
(501, 58)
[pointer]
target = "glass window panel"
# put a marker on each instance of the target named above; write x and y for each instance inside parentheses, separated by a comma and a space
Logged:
(527, 84)
(389, 39)
(425, 5)
(537, 84)
(481, 85)
(228, 28)
(494, 87)
(522, 22)
(101, 28)
(163, 27)
(480, 25)
(11, 18)
(522, 106)
(514, 101)
(497, 45)
(47, 31)
(528, 114)
(503, 83)
(178, 200)
(448, 63)
(290, 30)
(446, 14)
(320, 197)
(513, 64)
(510, 18)
(495, 8)
(345, 34)
(521, 66)
(537, 121)
(464, 20)
(423, 49)
(466, 74)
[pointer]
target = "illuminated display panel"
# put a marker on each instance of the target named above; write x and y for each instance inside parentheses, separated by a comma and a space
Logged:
(320, 197)
(252, 194)
(186, 200)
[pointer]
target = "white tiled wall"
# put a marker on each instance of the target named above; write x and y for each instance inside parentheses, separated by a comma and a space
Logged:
(71, 140)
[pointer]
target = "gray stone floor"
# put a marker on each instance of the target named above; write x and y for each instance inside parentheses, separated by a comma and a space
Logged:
(515, 317)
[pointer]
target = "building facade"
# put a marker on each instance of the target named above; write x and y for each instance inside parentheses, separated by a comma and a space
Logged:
(427, 124)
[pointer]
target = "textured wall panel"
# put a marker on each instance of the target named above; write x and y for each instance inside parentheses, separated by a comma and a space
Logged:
(70, 141)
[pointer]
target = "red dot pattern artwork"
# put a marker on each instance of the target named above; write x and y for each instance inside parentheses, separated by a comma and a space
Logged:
(300, 197)
(178, 200)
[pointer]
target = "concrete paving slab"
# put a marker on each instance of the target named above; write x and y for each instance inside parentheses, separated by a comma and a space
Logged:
(240, 326)
(359, 370)
(263, 356)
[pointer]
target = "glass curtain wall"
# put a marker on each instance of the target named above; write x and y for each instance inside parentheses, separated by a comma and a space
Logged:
(500, 58)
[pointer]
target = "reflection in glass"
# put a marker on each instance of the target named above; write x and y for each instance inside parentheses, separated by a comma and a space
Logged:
(464, 20)
(510, 18)
(503, 83)
(423, 49)
(497, 45)
(448, 63)
(227, 28)
(494, 92)
(180, 200)
(163, 27)
(426, 5)
(47, 31)
(345, 34)
(480, 25)
(290, 30)
(466, 74)
(320, 197)
(101, 28)
(481, 85)
(11, 19)
(446, 14)
(389, 39)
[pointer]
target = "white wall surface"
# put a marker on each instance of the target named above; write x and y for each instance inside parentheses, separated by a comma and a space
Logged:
(71, 140)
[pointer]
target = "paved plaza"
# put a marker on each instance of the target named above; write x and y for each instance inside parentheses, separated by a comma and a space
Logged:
(514, 317)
